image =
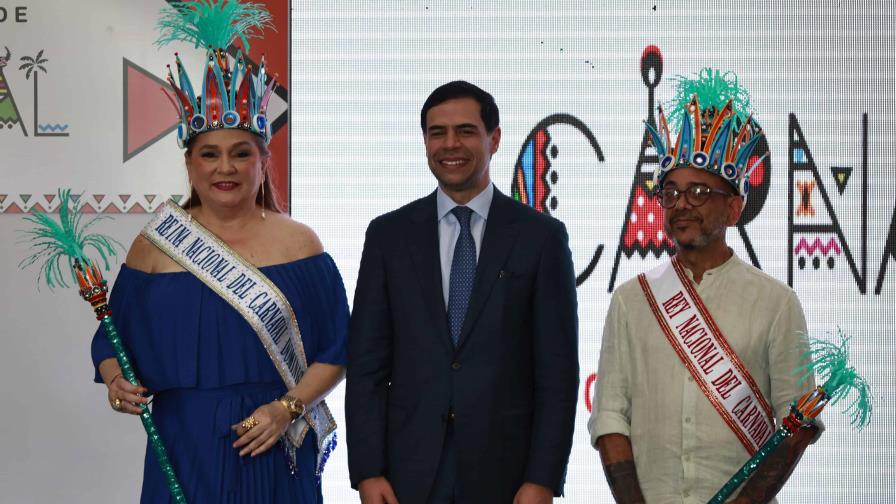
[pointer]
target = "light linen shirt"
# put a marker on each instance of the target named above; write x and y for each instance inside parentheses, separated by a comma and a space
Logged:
(684, 452)
(449, 228)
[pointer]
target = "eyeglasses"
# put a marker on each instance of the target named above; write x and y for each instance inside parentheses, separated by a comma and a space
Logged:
(696, 195)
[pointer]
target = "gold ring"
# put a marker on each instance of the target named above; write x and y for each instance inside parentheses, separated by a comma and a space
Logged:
(249, 423)
(116, 404)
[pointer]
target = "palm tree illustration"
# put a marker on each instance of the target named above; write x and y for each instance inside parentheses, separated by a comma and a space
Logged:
(34, 66)
(9, 112)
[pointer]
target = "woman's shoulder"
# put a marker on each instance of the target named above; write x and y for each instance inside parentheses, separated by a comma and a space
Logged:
(295, 239)
(146, 257)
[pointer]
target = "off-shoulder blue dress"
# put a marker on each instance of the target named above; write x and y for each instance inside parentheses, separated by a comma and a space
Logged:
(207, 370)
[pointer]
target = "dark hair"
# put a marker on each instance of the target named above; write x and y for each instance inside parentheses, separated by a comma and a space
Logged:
(267, 198)
(488, 109)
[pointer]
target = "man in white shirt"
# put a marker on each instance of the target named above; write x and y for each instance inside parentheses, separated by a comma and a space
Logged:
(660, 419)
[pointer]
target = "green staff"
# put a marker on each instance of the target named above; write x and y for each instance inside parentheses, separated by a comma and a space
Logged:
(61, 247)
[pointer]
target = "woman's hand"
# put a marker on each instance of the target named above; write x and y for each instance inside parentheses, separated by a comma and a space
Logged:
(259, 431)
(124, 397)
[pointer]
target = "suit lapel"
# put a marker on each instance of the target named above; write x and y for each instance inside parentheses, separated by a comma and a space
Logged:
(497, 241)
(423, 242)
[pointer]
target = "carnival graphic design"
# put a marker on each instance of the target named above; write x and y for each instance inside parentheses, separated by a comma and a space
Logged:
(815, 237)
(147, 114)
(555, 169)
(10, 115)
(9, 112)
(642, 229)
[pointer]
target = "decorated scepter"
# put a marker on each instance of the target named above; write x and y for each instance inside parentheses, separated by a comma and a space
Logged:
(831, 362)
(54, 243)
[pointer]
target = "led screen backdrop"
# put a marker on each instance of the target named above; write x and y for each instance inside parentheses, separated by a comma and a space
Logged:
(575, 81)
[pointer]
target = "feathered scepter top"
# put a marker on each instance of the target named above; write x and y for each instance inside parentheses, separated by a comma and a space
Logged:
(831, 362)
(62, 246)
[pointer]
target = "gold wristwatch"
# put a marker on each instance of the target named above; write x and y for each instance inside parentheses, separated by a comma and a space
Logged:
(293, 405)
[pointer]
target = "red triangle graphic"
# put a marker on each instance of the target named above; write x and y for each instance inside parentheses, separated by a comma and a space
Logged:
(112, 209)
(50, 197)
(13, 208)
(148, 114)
(87, 209)
(124, 197)
(136, 209)
(38, 208)
(99, 197)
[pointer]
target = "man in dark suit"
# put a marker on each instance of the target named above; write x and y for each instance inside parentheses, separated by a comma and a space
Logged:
(463, 348)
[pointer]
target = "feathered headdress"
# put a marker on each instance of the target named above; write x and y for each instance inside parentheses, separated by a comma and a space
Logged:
(230, 97)
(714, 132)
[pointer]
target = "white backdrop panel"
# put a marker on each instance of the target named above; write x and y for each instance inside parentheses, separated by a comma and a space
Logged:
(361, 71)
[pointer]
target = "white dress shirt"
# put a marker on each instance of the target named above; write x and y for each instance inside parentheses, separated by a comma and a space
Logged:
(449, 228)
(684, 452)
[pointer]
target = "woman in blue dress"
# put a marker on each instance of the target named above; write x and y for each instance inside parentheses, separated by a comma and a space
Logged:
(218, 401)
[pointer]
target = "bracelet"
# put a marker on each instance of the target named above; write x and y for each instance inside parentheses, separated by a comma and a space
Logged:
(117, 376)
(294, 406)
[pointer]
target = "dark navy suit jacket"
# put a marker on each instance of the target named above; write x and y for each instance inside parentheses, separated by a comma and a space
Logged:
(509, 389)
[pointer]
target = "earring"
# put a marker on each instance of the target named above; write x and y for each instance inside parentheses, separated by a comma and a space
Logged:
(190, 196)
(262, 198)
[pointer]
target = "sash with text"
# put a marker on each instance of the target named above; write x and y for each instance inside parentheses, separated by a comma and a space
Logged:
(703, 349)
(257, 299)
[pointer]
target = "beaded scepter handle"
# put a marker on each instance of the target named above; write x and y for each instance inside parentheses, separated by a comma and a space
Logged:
(94, 290)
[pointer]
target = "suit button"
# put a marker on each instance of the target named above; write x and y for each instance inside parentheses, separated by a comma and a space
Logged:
(455, 365)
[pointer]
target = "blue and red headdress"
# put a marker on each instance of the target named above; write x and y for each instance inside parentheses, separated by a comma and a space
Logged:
(714, 133)
(232, 97)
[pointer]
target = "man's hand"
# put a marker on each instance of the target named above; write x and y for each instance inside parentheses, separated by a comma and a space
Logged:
(774, 471)
(530, 493)
(376, 491)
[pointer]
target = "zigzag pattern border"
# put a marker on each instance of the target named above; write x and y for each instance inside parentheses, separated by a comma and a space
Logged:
(52, 127)
(93, 203)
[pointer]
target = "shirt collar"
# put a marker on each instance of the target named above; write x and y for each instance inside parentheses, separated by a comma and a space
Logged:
(729, 263)
(479, 204)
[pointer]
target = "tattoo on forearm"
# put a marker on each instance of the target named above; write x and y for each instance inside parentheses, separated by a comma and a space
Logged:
(774, 470)
(623, 480)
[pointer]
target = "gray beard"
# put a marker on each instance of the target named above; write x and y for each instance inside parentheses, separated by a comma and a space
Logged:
(701, 241)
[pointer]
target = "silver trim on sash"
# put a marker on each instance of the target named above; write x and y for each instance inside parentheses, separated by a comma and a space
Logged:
(257, 299)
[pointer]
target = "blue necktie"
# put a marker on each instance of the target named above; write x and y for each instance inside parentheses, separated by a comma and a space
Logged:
(463, 273)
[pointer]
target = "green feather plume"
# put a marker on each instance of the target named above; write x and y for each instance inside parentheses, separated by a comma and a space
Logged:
(831, 362)
(713, 89)
(215, 23)
(58, 244)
